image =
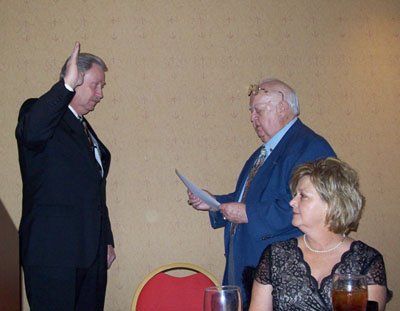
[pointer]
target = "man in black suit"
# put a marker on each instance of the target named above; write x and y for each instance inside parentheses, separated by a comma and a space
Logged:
(66, 242)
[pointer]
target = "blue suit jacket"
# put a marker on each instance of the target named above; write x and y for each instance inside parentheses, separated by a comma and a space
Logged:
(267, 202)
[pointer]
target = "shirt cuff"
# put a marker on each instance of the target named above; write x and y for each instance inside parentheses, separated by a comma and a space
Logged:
(68, 87)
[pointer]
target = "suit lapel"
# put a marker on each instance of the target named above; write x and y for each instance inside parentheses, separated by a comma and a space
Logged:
(280, 149)
(276, 155)
(74, 127)
(105, 153)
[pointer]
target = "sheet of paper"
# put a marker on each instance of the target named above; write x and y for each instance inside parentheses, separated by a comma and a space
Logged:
(213, 203)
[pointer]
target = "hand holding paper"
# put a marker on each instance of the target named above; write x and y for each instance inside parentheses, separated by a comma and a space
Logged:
(204, 196)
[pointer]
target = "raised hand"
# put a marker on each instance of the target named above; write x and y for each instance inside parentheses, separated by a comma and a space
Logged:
(72, 76)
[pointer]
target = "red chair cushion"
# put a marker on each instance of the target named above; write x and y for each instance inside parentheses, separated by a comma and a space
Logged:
(165, 292)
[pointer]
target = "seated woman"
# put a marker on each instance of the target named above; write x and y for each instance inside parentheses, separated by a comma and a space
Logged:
(297, 274)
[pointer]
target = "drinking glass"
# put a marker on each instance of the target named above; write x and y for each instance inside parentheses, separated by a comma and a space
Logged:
(349, 292)
(222, 298)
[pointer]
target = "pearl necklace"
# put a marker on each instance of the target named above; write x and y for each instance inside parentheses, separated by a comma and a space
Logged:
(325, 250)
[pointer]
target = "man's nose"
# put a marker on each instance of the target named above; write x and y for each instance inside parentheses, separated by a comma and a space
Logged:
(253, 116)
(99, 93)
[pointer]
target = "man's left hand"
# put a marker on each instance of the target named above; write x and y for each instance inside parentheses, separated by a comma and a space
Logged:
(234, 212)
(110, 256)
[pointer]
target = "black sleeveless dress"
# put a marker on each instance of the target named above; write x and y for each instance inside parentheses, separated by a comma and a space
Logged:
(294, 288)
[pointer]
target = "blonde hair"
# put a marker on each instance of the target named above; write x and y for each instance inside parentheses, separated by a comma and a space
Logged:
(338, 185)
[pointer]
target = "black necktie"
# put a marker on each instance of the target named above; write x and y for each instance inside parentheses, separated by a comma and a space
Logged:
(86, 130)
(91, 143)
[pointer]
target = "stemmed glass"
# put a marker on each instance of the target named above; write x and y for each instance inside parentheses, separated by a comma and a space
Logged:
(222, 298)
(349, 292)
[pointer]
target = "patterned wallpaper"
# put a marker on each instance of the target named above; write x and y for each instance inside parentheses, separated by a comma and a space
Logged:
(176, 98)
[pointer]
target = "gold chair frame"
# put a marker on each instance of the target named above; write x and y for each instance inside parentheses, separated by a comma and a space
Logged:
(170, 267)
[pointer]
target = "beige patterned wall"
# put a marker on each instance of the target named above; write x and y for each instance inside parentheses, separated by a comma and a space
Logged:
(176, 98)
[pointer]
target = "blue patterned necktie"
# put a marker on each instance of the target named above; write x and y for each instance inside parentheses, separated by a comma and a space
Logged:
(257, 164)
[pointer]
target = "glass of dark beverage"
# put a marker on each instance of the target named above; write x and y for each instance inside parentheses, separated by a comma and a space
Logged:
(349, 292)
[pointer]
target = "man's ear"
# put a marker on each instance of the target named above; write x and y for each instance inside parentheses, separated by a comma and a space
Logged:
(283, 107)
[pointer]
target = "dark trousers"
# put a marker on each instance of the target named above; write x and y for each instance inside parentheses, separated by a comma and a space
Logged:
(68, 288)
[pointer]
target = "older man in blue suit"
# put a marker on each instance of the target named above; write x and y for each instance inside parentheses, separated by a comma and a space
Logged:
(258, 213)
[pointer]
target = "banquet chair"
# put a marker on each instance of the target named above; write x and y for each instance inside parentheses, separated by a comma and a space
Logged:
(173, 287)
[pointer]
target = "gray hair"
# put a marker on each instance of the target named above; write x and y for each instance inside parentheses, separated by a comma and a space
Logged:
(85, 62)
(289, 93)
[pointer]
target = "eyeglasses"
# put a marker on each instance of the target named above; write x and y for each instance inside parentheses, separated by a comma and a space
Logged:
(254, 89)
